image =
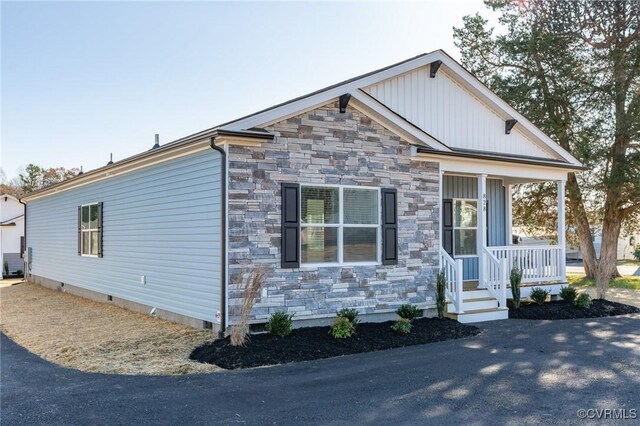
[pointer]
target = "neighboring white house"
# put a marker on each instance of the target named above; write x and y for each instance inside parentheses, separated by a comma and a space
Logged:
(11, 233)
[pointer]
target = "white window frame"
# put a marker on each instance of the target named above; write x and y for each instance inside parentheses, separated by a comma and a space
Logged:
(88, 230)
(341, 225)
(473, 200)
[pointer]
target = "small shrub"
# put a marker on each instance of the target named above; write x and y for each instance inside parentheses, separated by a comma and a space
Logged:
(516, 279)
(342, 328)
(568, 294)
(279, 324)
(539, 295)
(636, 252)
(583, 301)
(350, 314)
(403, 325)
(19, 272)
(409, 312)
(5, 269)
(441, 300)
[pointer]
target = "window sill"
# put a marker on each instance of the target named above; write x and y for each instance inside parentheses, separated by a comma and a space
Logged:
(89, 255)
(336, 264)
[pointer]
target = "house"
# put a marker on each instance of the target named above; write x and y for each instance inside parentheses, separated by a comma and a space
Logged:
(11, 235)
(352, 196)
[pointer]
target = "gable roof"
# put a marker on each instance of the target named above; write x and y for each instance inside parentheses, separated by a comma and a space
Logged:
(357, 88)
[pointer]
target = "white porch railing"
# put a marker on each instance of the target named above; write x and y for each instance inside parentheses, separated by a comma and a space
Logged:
(495, 273)
(537, 263)
(453, 278)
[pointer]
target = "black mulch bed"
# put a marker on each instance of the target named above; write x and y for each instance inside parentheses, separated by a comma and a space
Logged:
(558, 310)
(310, 343)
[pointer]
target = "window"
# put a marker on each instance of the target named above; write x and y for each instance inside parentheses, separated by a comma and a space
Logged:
(339, 224)
(90, 237)
(465, 227)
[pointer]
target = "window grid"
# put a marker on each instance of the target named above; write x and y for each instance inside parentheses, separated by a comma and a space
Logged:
(459, 228)
(341, 225)
(87, 248)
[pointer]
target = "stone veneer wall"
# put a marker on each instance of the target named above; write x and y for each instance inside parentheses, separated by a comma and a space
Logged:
(325, 146)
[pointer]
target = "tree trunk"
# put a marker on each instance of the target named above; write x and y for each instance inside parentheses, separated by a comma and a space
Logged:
(607, 264)
(581, 223)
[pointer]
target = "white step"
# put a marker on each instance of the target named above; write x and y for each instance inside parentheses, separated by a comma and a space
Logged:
(476, 294)
(475, 304)
(481, 315)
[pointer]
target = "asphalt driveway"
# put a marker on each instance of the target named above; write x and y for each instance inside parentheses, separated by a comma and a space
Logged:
(517, 372)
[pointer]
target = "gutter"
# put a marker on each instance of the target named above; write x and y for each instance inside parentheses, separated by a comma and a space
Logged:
(502, 158)
(223, 239)
(223, 215)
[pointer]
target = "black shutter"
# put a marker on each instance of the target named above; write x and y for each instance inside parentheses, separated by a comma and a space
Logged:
(389, 226)
(447, 226)
(79, 230)
(100, 229)
(290, 234)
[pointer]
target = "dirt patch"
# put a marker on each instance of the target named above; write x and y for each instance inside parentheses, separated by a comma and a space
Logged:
(91, 336)
(563, 310)
(310, 343)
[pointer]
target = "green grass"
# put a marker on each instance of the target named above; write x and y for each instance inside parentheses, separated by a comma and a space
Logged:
(630, 283)
(629, 262)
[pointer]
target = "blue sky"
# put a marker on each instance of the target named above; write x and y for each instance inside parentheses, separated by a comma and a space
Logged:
(83, 79)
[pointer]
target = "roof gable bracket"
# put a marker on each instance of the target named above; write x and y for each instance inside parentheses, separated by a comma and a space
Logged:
(435, 66)
(508, 125)
(344, 101)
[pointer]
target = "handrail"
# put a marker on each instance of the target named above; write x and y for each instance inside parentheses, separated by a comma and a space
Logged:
(495, 276)
(537, 263)
(453, 279)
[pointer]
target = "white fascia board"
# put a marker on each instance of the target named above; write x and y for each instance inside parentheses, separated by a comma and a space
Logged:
(463, 76)
(495, 168)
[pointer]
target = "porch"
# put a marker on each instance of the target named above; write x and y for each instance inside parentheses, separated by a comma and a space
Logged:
(478, 253)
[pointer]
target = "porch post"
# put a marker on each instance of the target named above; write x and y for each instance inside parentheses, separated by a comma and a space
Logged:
(481, 235)
(561, 230)
(509, 216)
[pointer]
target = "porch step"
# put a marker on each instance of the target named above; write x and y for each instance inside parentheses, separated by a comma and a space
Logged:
(475, 304)
(476, 294)
(480, 315)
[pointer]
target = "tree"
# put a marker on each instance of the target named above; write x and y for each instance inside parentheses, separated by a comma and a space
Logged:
(9, 186)
(34, 177)
(574, 69)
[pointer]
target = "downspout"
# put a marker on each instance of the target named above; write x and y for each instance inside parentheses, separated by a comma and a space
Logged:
(24, 253)
(223, 239)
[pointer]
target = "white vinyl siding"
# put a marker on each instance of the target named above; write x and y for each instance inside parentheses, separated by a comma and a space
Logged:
(448, 112)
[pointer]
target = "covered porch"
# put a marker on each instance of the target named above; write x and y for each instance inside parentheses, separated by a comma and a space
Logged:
(478, 251)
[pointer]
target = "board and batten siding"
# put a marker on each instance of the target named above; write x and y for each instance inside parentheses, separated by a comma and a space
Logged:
(161, 222)
(444, 109)
(467, 187)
